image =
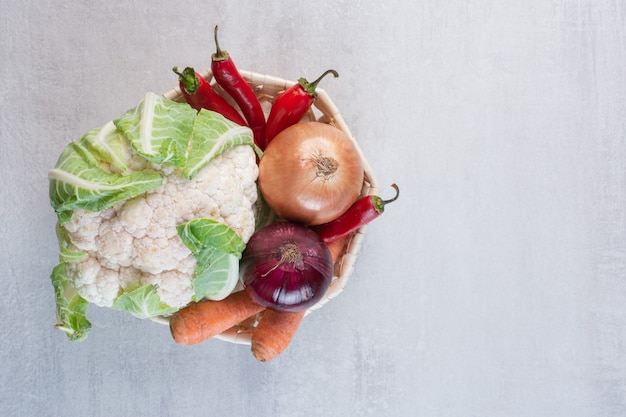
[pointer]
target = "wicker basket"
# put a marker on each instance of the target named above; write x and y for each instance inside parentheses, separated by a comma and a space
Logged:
(267, 88)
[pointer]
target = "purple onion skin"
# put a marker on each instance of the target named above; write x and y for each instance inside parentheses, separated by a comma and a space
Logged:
(296, 283)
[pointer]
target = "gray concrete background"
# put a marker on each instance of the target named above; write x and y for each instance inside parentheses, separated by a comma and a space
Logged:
(495, 286)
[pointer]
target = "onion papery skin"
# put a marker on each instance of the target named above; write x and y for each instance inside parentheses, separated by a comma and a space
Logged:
(290, 173)
(290, 285)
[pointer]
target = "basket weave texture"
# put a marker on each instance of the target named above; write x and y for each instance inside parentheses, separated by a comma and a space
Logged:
(267, 87)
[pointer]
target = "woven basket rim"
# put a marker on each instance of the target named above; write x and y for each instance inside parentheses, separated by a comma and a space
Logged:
(325, 111)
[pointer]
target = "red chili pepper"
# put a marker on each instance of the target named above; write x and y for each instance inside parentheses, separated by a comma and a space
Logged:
(291, 106)
(359, 214)
(200, 95)
(229, 78)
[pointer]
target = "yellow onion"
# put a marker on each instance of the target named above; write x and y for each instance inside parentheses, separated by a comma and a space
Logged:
(311, 173)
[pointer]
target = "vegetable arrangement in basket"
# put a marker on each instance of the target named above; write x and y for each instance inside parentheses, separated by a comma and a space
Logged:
(208, 214)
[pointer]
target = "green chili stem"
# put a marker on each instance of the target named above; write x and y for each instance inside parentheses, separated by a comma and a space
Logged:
(395, 197)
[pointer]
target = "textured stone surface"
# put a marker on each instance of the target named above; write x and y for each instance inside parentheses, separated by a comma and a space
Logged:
(495, 286)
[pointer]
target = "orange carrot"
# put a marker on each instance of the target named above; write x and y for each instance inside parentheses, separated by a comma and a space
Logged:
(274, 332)
(337, 247)
(200, 321)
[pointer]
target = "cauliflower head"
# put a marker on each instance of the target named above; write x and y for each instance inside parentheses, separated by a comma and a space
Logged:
(135, 242)
(138, 203)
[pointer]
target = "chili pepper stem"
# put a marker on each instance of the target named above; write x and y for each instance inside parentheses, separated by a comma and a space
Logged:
(310, 87)
(379, 204)
(394, 197)
(188, 79)
(219, 55)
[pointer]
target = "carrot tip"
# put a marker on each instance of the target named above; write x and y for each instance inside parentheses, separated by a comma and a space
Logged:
(262, 354)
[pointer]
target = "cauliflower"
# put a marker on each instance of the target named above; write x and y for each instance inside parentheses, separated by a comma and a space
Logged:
(135, 242)
(138, 204)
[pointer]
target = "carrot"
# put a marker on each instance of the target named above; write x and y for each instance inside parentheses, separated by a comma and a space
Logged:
(202, 320)
(274, 332)
(338, 247)
(276, 329)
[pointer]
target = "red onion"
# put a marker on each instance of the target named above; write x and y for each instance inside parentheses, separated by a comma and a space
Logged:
(286, 266)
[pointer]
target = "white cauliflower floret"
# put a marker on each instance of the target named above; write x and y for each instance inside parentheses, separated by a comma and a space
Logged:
(94, 282)
(174, 287)
(135, 242)
(134, 217)
(156, 255)
(114, 248)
